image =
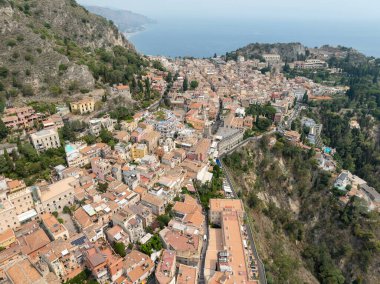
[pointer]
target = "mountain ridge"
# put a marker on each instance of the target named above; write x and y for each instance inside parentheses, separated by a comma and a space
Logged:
(49, 47)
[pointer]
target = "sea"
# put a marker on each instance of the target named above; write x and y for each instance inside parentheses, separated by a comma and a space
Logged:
(204, 37)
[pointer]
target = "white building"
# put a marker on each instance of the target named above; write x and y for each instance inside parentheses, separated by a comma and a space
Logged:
(96, 125)
(45, 139)
(272, 58)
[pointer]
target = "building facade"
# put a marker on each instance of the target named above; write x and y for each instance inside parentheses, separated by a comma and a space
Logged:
(45, 139)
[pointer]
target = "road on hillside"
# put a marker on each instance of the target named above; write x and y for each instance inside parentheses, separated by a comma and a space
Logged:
(261, 268)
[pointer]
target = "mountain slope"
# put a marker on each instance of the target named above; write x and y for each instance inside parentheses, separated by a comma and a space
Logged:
(126, 21)
(51, 47)
(303, 233)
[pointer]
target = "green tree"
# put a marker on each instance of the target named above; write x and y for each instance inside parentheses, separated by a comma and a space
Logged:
(90, 139)
(105, 135)
(3, 130)
(68, 134)
(119, 248)
(194, 84)
(263, 124)
(305, 98)
(169, 77)
(163, 220)
(286, 68)
(158, 65)
(147, 89)
(185, 85)
(102, 186)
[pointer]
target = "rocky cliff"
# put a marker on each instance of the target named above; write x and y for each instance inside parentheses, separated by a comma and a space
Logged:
(46, 46)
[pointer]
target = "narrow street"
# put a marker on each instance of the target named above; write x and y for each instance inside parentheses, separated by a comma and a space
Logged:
(203, 254)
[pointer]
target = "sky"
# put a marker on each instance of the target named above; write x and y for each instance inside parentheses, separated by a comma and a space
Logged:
(318, 10)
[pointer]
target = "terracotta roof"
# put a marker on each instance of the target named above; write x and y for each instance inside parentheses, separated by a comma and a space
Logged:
(23, 272)
(114, 230)
(219, 205)
(15, 183)
(95, 257)
(165, 270)
(187, 274)
(34, 241)
(180, 242)
(141, 264)
(82, 218)
(7, 235)
(152, 199)
(196, 218)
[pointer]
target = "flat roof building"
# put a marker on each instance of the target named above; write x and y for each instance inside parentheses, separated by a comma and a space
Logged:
(45, 139)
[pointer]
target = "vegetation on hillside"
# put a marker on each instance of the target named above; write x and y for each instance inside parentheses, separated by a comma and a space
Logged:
(336, 243)
(358, 149)
(50, 49)
(28, 164)
(212, 189)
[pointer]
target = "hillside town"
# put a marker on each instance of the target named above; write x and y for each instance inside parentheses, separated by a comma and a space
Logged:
(145, 199)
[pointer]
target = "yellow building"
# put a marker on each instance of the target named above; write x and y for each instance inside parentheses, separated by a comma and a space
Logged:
(7, 238)
(85, 105)
(139, 151)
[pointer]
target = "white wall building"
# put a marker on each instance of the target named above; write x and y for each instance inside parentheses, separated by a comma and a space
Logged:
(45, 139)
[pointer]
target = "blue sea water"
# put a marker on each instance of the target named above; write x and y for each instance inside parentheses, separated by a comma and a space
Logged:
(204, 37)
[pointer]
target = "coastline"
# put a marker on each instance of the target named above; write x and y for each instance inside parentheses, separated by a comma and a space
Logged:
(189, 38)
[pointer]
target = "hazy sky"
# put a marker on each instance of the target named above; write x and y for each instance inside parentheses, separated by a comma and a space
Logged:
(331, 10)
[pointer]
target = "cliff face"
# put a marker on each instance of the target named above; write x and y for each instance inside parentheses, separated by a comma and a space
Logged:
(44, 44)
(303, 233)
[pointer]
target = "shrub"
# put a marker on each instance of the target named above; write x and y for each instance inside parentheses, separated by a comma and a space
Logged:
(15, 55)
(29, 57)
(27, 91)
(62, 67)
(11, 43)
(55, 90)
(4, 71)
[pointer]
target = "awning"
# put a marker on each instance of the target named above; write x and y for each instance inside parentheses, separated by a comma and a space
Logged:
(27, 215)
